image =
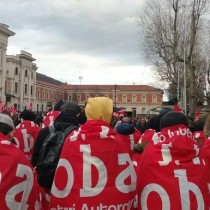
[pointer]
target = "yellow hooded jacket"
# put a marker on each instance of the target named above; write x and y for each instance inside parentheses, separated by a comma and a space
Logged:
(99, 108)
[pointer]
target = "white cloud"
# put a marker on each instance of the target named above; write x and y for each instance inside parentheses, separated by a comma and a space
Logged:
(95, 39)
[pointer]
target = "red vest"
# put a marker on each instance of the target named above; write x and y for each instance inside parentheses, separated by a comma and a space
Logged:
(95, 171)
(171, 174)
(50, 118)
(18, 187)
(25, 136)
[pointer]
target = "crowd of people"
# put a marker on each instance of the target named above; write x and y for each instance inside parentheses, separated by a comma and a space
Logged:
(106, 163)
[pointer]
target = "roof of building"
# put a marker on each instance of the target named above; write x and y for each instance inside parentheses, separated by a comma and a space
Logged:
(45, 78)
(112, 88)
(5, 29)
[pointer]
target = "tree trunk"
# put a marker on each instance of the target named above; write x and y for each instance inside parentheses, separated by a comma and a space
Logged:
(193, 91)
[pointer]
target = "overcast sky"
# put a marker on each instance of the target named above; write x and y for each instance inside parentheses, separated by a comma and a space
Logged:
(96, 40)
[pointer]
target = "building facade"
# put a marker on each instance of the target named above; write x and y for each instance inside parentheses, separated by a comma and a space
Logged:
(22, 86)
(20, 80)
(5, 33)
(138, 99)
(48, 92)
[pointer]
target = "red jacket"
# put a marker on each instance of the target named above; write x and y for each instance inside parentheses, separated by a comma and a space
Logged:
(172, 174)
(94, 171)
(50, 118)
(18, 187)
(25, 136)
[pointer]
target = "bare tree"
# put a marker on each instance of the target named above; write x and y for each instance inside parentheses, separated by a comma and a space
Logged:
(171, 30)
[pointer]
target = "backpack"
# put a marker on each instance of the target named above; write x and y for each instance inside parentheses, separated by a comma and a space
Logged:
(49, 155)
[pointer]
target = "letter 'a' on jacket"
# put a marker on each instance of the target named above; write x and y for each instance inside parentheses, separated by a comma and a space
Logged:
(99, 108)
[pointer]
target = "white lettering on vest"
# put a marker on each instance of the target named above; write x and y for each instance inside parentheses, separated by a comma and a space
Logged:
(131, 137)
(70, 180)
(25, 187)
(185, 188)
(88, 160)
(166, 155)
(27, 140)
(160, 191)
(123, 159)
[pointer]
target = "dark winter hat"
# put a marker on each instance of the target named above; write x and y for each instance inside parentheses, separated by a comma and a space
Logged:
(7, 120)
(173, 118)
(27, 115)
(71, 106)
(164, 111)
(58, 105)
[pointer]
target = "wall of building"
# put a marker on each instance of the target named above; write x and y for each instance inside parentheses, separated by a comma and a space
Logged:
(20, 80)
(5, 33)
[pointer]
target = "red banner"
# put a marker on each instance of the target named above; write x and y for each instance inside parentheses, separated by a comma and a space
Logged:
(94, 172)
(172, 175)
(30, 106)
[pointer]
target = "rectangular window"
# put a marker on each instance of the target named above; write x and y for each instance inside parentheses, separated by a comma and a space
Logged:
(16, 71)
(78, 97)
(154, 98)
(124, 99)
(143, 98)
(134, 98)
(26, 89)
(16, 87)
(32, 91)
(87, 96)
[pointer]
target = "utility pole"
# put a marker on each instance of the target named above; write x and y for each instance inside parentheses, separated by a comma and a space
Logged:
(115, 96)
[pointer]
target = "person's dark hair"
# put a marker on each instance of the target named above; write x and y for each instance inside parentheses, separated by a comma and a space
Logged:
(199, 124)
(82, 117)
(154, 123)
(58, 105)
(38, 120)
(191, 123)
(27, 115)
(5, 129)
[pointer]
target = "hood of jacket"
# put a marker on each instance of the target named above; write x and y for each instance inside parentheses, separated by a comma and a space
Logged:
(99, 108)
(125, 128)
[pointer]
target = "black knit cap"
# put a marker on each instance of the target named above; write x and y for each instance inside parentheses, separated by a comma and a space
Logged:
(173, 118)
(71, 106)
(27, 115)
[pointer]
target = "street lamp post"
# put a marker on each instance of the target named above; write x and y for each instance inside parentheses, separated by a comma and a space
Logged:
(115, 95)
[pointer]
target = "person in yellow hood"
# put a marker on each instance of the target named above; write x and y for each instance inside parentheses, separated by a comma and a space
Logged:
(95, 170)
(99, 108)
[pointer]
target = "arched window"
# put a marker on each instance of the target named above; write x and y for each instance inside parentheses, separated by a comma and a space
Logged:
(26, 73)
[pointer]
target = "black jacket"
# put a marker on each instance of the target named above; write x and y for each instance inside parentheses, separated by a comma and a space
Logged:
(64, 120)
